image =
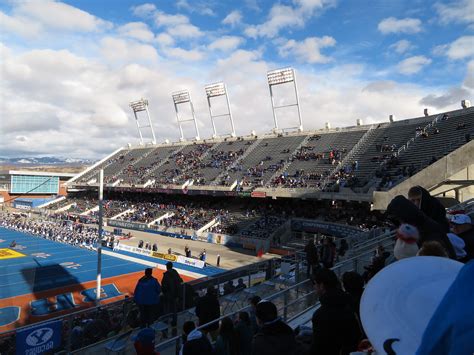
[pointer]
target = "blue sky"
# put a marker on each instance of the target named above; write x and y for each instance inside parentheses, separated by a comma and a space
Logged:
(70, 68)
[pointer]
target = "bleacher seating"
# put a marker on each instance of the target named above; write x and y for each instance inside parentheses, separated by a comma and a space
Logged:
(297, 160)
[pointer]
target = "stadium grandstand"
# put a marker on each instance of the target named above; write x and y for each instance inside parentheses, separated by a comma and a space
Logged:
(242, 219)
(259, 231)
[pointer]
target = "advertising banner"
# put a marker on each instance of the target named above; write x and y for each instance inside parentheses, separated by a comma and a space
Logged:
(191, 261)
(40, 339)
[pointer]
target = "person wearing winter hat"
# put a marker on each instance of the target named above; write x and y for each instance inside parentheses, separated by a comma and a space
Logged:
(461, 225)
(406, 245)
(459, 246)
(402, 210)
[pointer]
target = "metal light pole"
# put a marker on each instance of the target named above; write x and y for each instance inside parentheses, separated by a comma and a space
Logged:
(99, 247)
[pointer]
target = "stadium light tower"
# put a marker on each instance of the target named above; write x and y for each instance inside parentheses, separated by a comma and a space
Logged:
(139, 106)
(183, 97)
(279, 77)
(216, 90)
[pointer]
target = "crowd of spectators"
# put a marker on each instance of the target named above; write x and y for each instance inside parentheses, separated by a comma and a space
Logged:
(63, 231)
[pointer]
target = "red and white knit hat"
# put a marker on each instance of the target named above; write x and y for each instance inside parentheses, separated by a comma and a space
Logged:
(406, 245)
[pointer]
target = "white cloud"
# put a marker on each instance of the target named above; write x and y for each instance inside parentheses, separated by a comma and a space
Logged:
(308, 50)
(456, 12)
(117, 50)
(461, 48)
(286, 16)
(413, 64)
(405, 25)
(136, 30)
(183, 54)
(58, 15)
(402, 46)
(164, 19)
(200, 8)
(177, 25)
(144, 10)
(234, 18)
(164, 39)
(469, 81)
(185, 31)
(20, 26)
(280, 17)
(226, 43)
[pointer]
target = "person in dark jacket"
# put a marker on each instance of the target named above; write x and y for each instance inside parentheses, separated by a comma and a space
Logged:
(243, 327)
(429, 205)
(227, 342)
(274, 336)
(208, 309)
(336, 329)
(405, 211)
(147, 297)
(353, 283)
(195, 342)
(312, 258)
(462, 226)
(171, 285)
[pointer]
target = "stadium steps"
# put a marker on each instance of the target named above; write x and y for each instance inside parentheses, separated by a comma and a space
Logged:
(165, 160)
(289, 160)
(430, 177)
(249, 150)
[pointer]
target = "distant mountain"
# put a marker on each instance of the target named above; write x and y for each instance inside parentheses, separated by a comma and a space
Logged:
(45, 161)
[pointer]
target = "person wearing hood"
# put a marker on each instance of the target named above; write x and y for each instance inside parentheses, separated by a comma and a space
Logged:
(336, 330)
(274, 336)
(147, 297)
(429, 205)
(405, 211)
(195, 342)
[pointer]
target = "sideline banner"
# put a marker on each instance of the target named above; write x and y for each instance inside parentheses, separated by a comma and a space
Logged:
(40, 339)
(191, 262)
(169, 257)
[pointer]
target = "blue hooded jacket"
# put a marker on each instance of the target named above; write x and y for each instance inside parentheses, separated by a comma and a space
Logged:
(451, 329)
(147, 291)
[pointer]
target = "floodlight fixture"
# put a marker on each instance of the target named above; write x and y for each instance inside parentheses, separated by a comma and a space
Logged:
(139, 106)
(281, 76)
(183, 97)
(216, 90)
(278, 77)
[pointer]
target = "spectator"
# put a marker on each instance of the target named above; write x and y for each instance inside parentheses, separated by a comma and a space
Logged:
(145, 342)
(229, 287)
(240, 285)
(195, 342)
(227, 342)
(403, 211)
(274, 337)
(253, 301)
(378, 262)
(461, 225)
(311, 257)
(147, 297)
(353, 284)
(335, 326)
(429, 205)
(432, 248)
(327, 254)
(208, 309)
(244, 333)
(459, 247)
(171, 288)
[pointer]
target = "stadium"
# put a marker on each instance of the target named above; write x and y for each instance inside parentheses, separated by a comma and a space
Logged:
(340, 240)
